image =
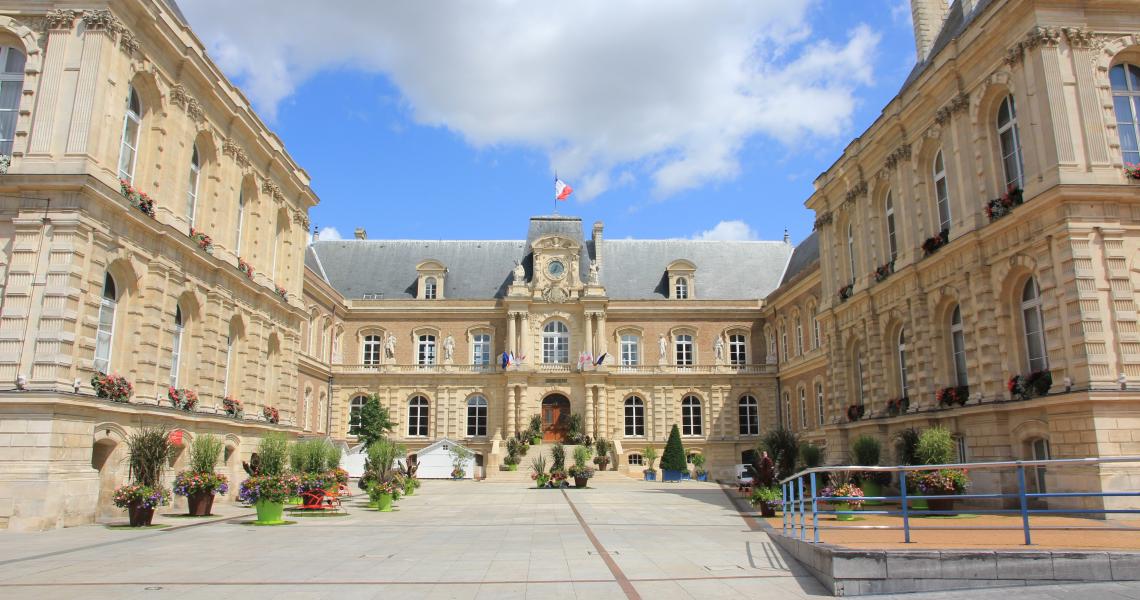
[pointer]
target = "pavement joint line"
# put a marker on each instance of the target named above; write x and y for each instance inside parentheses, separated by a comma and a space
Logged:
(622, 580)
(749, 515)
(310, 582)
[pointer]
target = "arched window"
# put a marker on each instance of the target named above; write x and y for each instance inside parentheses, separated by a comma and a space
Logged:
(783, 343)
(634, 417)
(1033, 326)
(819, 403)
(355, 407)
(240, 222)
(1126, 98)
(555, 343)
(418, 417)
(1010, 143)
(787, 417)
(691, 423)
(429, 288)
(192, 188)
(683, 350)
(481, 349)
(277, 229)
(11, 90)
(799, 336)
(749, 412)
(132, 125)
(682, 288)
(425, 350)
(815, 336)
(176, 347)
(803, 409)
(105, 333)
(370, 353)
(851, 250)
(892, 241)
(904, 390)
(941, 192)
(737, 349)
(630, 350)
(958, 347)
(231, 340)
(476, 416)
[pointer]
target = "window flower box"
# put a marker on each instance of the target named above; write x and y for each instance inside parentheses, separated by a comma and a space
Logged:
(203, 240)
(932, 244)
(271, 414)
(232, 406)
(1132, 171)
(138, 199)
(184, 399)
(5, 162)
(115, 388)
(883, 271)
(245, 268)
(897, 406)
(1000, 207)
(856, 412)
(281, 291)
(846, 291)
(950, 396)
(1029, 386)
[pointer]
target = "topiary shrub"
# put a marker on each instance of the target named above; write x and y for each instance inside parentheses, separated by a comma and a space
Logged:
(935, 447)
(784, 447)
(558, 458)
(673, 458)
(866, 451)
(811, 455)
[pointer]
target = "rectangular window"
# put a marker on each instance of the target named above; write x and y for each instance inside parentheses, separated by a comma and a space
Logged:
(425, 354)
(815, 342)
(477, 419)
(803, 410)
(819, 402)
(684, 350)
(629, 351)
(229, 365)
(634, 418)
(691, 419)
(104, 335)
(961, 443)
(175, 355)
(749, 416)
(737, 350)
(371, 351)
(481, 350)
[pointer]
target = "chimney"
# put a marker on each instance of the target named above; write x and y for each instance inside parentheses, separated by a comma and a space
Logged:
(597, 238)
(360, 234)
(928, 15)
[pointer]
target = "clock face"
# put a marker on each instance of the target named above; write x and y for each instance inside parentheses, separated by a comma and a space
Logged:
(555, 268)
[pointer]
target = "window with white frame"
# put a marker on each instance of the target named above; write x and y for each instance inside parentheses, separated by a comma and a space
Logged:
(105, 332)
(229, 365)
(192, 185)
(636, 460)
(1010, 142)
(749, 416)
(132, 126)
(176, 347)
(355, 407)
(1041, 451)
(370, 353)
(958, 347)
(241, 224)
(681, 290)
(630, 350)
(481, 349)
(634, 417)
(783, 344)
(555, 343)
(858, 377)
(851, 251)
(904, 389)
(11, 90)
(941, 192)
(1034, 326)
(787, 420)
(476, 416)
(683, 350)
(799, 336)
(892, 241)
(691, 421)
(429, 288)
(737, 349)
(425, 350)
(1125, 80)
(815, 336)
(819, 403)
(803, 409)
(418, 417)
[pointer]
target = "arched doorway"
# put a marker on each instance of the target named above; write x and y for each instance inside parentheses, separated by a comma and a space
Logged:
(106, 458)
(555, 418)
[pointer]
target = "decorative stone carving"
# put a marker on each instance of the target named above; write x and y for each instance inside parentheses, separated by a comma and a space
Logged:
(960, 103)
(390, 346)
(662, 347)
(300, 218)
(128, 42)
(718, 350)
(894, 158)
(100, 20)
(821, 220)
(518, 275)
(1038, 36)
(1081, 38)
(61, 18)
(272, 189)
(860, 190)
(448, 348)
(555, 295)
(594, 266)
(231, 149)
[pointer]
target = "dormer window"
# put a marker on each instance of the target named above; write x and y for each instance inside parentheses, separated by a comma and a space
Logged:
(681, 290)
(430, 276)
(682, 279)
(429, 288)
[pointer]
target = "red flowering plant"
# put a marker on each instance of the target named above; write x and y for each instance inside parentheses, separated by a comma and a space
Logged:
(113, 387)
(141, 496)
(185, 399)
(843, 491)
(1029, 386)
(245, 267)
(138, 199)
(1132, 171)
(953, 395)
(856, 412)
(271, 488)
(883, 271)
(232, 406)
(846, 291)
(284, 293)
(557, 477)
(943, 482)
(340, 475)
(188, 483)
(897, 406)
(271, 414)
(933, 243)
(1000, 207)
(203, 240)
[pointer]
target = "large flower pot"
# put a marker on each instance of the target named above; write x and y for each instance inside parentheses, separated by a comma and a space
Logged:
(686, 476)
(920, 504)
(536, 440)
(843, 506)
(409, 489)
(268, 512)
(767, 510)
(580, 482)
(651, 476)
(200, 503)
(702, 476)
(871, 487)
(513, 467)
(384, 502)
(139, 515)
(941, 504)
(670, 475)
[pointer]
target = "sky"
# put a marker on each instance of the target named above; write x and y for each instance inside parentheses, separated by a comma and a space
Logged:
(670, 118)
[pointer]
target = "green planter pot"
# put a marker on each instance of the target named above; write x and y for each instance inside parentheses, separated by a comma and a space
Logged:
(269, 513)
(871, 488)
(514, 467)
(921, 504)
(384, 502)
(843, 506)
(536, 440)
(409, 490)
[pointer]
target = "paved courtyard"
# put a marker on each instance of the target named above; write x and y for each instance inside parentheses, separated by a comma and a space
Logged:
(451, 540)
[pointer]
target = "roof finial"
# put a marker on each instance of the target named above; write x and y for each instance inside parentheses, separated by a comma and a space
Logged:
(787, 238)
(316, 232)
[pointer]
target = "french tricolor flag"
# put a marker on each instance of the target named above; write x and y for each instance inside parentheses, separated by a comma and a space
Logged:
(561, 190)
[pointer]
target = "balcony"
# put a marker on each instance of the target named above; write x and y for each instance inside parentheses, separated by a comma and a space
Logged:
(562, 369)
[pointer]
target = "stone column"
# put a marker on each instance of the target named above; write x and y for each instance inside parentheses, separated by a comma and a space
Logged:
(511, 331)
(89, 73)
(43, 116)
(590, 392)
(525, 347)
(601, 333)
(590, 332)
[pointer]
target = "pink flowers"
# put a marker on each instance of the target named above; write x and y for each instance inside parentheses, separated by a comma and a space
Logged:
(114, 387)
(203, 240)
(271, 414)
(184, 399)
(139, 200)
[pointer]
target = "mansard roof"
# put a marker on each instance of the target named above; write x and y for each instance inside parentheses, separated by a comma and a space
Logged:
(803, 257)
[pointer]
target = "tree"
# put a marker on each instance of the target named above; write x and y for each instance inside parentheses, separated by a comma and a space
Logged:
(374, 422)
(673, 458)
(784, 447)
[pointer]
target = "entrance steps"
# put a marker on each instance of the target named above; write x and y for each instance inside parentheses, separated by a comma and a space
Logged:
(522, 475)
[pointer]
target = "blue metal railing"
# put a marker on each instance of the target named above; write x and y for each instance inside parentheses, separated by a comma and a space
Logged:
(793, 500)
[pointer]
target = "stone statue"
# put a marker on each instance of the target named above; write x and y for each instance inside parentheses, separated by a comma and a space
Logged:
(662, 345)
(390, 346)
(594, 266)
(718, 349)
(448, 348)
(519, 273)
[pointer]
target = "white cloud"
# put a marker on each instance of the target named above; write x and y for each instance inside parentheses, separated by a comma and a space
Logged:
(327, 234)
(728, 231)
(669, 89)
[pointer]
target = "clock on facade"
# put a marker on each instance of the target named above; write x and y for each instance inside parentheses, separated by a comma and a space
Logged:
(556, 269)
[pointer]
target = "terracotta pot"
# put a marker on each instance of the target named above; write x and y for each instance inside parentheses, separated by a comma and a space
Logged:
(140, 516)
(580, 482)
(200, 503)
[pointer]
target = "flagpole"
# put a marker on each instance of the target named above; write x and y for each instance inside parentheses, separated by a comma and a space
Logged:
(556, 192)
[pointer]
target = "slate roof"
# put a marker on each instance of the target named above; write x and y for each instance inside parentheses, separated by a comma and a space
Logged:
(956, 22)
(481, 269)
(803, 257)
(173, 4)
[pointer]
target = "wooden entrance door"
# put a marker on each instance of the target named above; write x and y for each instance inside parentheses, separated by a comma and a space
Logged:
(555, 418)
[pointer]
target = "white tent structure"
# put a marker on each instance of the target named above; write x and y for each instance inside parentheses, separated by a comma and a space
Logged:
(435, 461)
(352, 460)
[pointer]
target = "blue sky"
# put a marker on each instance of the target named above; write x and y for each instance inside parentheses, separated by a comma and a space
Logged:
(668, 122)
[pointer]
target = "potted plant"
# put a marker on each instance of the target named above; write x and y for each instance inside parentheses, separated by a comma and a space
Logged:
(936, 447)
(767, 499)
(602, 448)
(514, 453)
(650, 455)
(184, 399)
(459, 458)
(953, 395)
(810, 455)
(1032, 385)
(200, 483)
(846, 490)
(673, 463)
(558, 458)
(408, 470)
(315, 463)
(535, 430)
(866, 451)
(897, 406)
(148, 450)
(378, 479)
(382, 493)
(538, 471)
(268, 484)
(115, 388)
(581, 471)
(557, 478)
(271, 414)
(232, 407)
(698, 461)
(784, 447)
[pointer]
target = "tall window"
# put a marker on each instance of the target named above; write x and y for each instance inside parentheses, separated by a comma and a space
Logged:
(629, 350)
(859, 378)
(815, 337)
(176, 347)
(683, 350)
(819, 402)
(1034, 326)
(429, 288)
(787, 420)
(799, 336)
(682, 288)
(192, 187)
(476, 416)
(355, 407)
(851, 251)
(240, 223)
(941, 192)
(1010, 143)
(749, 416)
(276, 244)
(229, 364)
(783, 344)
(555, 343)
(1126, 99)
(737, 349)
(11, 89)
(132, 125)
(105, 334)
(691, 423)
(634, 417)
(1040, 452)
(371, 351)
(418, 417)
(892, 242)
(481, 349)
(958, 347)
(903, 388)
(425, 350)
(803, 409)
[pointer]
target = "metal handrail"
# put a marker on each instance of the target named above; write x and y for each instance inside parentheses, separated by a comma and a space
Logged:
(793, 498)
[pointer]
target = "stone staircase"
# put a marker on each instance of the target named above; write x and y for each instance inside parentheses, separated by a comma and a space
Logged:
(523, 474)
